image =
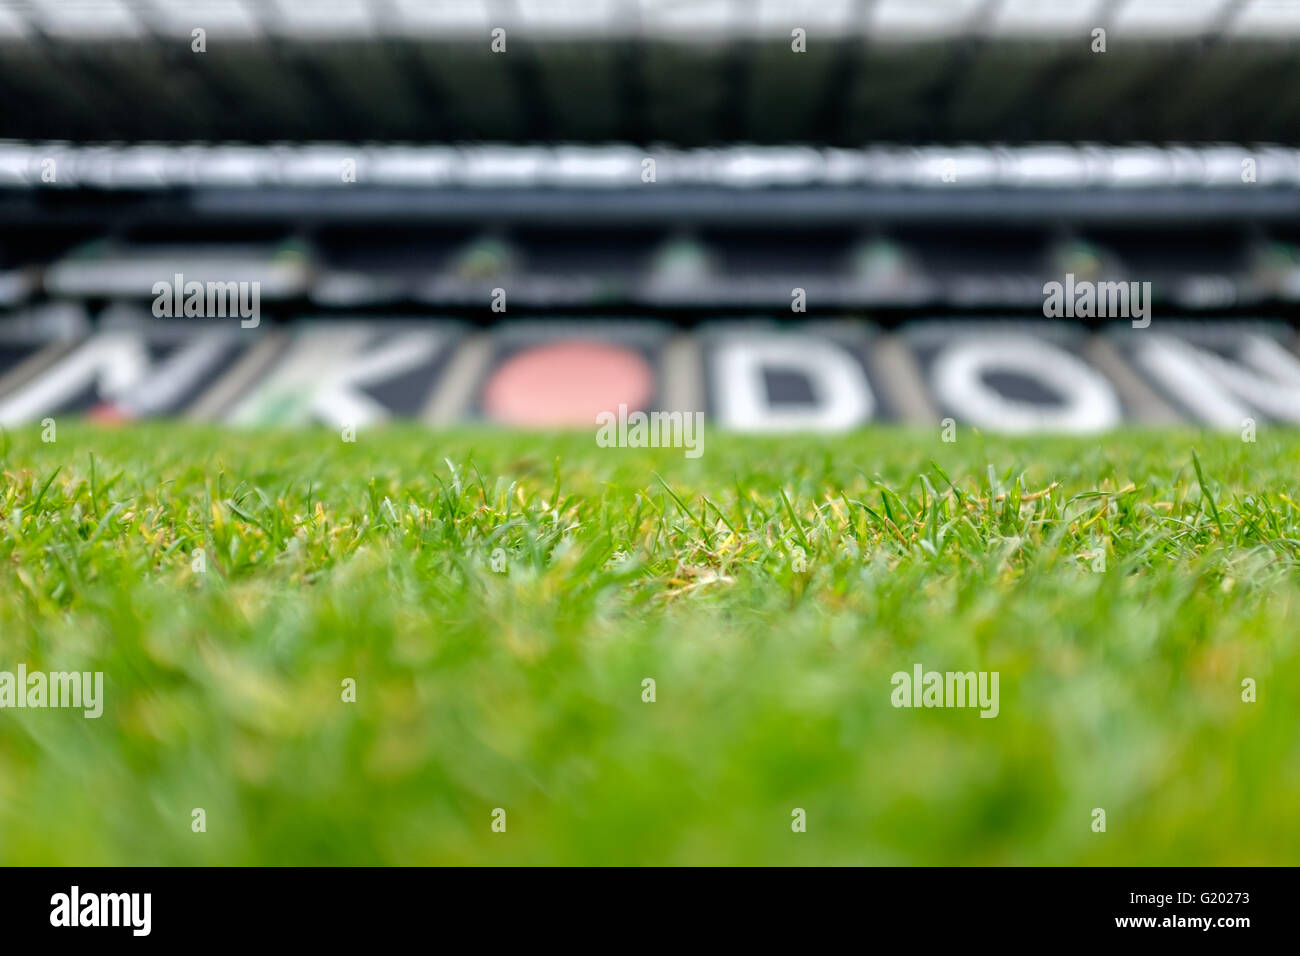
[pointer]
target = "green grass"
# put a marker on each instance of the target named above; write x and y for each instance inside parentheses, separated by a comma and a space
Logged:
(1119, 688)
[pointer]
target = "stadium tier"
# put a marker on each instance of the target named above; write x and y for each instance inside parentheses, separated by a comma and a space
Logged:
(744, 375)
(773, 228)
(1051, 287)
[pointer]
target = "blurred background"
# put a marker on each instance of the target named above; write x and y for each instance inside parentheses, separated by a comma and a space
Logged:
(843, 210)
(803, 217)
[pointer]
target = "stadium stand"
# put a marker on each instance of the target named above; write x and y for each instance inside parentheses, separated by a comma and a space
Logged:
(789, 214)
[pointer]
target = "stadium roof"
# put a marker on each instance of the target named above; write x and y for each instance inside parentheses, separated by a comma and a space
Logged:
(701, 19)
(703, 72)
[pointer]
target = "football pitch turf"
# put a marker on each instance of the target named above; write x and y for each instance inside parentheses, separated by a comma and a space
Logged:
(1122, 587)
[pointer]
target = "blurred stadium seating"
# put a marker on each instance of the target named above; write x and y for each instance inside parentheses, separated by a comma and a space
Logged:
(911, 180)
